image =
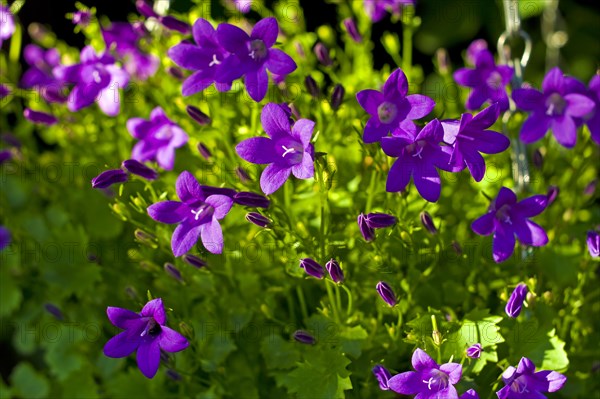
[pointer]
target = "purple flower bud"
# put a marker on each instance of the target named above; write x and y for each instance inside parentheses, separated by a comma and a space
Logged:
(428, 222)
(474, 49)
(312, 87)
(299, 49)
(515, 302)
(54, 311)
(145, 9)
(383, 375)
(108, 178)
(39, 117)
(258, 219)
(144, 238)
(386, 293)
(204, 151)
(175, 24)
(138, 168)
(198, 115)
(590, 189)
(322, 54)
(552, 194)
(443, 61)
(474, 351)
(11, 140)
(295, 111)
(173, 271)
(175, 72)
(335, 271)
(593, 243)
(352, 30)
(4, 91)
(242, 175)
(210, 190)
(5, 155)
(247, 198)
(81, 18)
(131, 292)
(538, 159)
(457, 248)
(174, 375)
(193, 260)
(367, 232)
(337, 96)
(4, 237)
(380, 220)
(304, 337)
(312, 268)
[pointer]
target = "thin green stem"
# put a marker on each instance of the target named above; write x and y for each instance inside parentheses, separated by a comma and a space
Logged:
(303, 308)
(371, 190)
(349, 293)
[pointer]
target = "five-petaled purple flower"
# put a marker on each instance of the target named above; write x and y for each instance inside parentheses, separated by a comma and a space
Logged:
(507, 217)
(559, 107)
(159, 137)
(392, 108)
(197, 214)
(253, 55)
(96, 78)
(524, 383)
(429, 380)
(287, 150)
(487, 80)
(145, 332)
(39, 75)
(469, 137)
(418, 153)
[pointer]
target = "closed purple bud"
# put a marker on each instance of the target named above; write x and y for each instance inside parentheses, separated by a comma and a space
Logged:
(210, 190)
(258, 219)
(144, 237)
(39, 117)
(53, 94)
(590, 189)
(5, 155)
(138, 168)
(299, 49)
(383, 375)
(4, 237)
(428, 222)
(538, 159)
(335, 271)
(367, 232)
(352, 30)
(54, 311)
(593, 243)
(4, 91)
(242, 175)
(193, 260)
(108, 178)
(515, 302)
(337, 96)
(11, 140)
(204, 151)
(198, 115)
(173, 271)
(175, 72)
(175, 24)
(386, 293)
(312, 87)
(304, 337)
(174, 375)
(552, 194)
(145, 9)
(246, 198)
(312, 268)
(457, 248)
(322, 54)
(474, 351)
(380, 220)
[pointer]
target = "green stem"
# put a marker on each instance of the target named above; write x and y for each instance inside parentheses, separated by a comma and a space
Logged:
(303, 308)
(349, 293)
(407, 38)
(371, 191)
(336, 315)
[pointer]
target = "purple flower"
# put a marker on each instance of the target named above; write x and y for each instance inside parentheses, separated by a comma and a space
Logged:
(515, 302)
(524, 383)
(469, 138)
(487, 80)
(159, 137)
(552, 194)
(593, 243)
(377, 9)
(367, 232)
(474, 351)
(592, 119)
(507, 217)
(7, 25)
(258, 219)
(39, 75)
(322, 54)
(418, 153)
(287, 151)
(108, 178)
(124, 38)
(470, 394)
(138, 168)
(383, 375)
(335, 271)
(205, 57)
(39, 117)
(4, 91)
(96, 78)
(390, 108)
(429, 380)
(198, 215)
(427, 222)
(247, 198)
(337, 96)
(558, 108)
(198, 115)
(145, 332)
(312, 268)
(476, 47)
(193, 261)
(253, 55)
(380, 220)
(5, 155)
(386, 293)
(4, 237)
(304, 337)
(172, 271)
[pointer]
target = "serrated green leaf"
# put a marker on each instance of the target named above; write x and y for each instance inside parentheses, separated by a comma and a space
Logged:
(279, 353)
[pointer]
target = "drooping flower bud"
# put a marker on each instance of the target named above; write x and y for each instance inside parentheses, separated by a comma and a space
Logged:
(322, 54)
(138, 168)
(335, 271)
(247, 198)
(144, 237)
(312, 87)
(175, 24)
(515, 302)
(538, 159)
(198, 115)
(427, 222)
(174, 375)
(176, 73)
(474, 351)
(352, 30)
(380, 220)
(337, 96)
(367, 232)
(5, 155)
(204, 151)
(39, 117)
(242, 175)
(173, 271)
(312, 268)
(383, 375)
(304, 337)
(386, 293)
(193, 260)
(108, 178)
(258, 219)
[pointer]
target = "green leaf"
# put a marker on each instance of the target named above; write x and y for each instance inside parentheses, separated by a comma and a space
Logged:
(353, 339)
(10, 294)
(28, 383)
(279, 353)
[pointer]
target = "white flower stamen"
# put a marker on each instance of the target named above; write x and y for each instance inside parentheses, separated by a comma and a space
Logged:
(215, 61)
(197, 213)
(287, 151)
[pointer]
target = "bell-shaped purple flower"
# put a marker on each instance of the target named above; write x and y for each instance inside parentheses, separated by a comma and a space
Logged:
(474, 351)
(383, 375)
(335, 271)
(159, 137)
(515, 302)
(392, 107)
(312, 268)
(524, 382)
(198, 216)
(287, 150)
(593, 243)
(146, 333)
(386, 293)
(592, 118)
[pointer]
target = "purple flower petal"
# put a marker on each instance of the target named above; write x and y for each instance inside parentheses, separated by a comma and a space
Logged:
(305, 169)
(172, 341)
(370, 100)
(396, 86)
(427, 181)
(534, 128)
(578, 105)
(275, 121)
(139, 128)
(165, 157)
(484, 225)
(375, 131)
(169, 212)
(184, 238)
(187, 187)
(155, 309)
(119, 316)
(547, 381)
(121, 345)
(421, 361)
(477, 97)
(530, 233)
(532, 206)
(221, 203)
(212, 236)
(203, 31)
(503, 244)
(399, 175)
(419, 106)
(454, 371)
(190, 56)
(232, 38)
(148, 357)
(266, 30)
(486, 118)
(553, 81)
(505, 197)
(257, 84)
(564, 131)
(273, 177)
(491, 142)
(467, 77)
(303, 130)
(408, 383)
(528, 99)
(280, 63)
(258, 150)
(475, 163)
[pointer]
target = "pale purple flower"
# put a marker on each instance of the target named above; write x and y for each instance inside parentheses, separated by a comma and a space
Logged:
(198, 216)
(524, 382)
(81, 18)
(383, 375)
(124, 38)
(7, 23)
(287, 150)
(159, 137)
(506, 218)
(514, 305)
(593, 243)
(392, 108)
(145, 333)
(39, 75)
(474, 351)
